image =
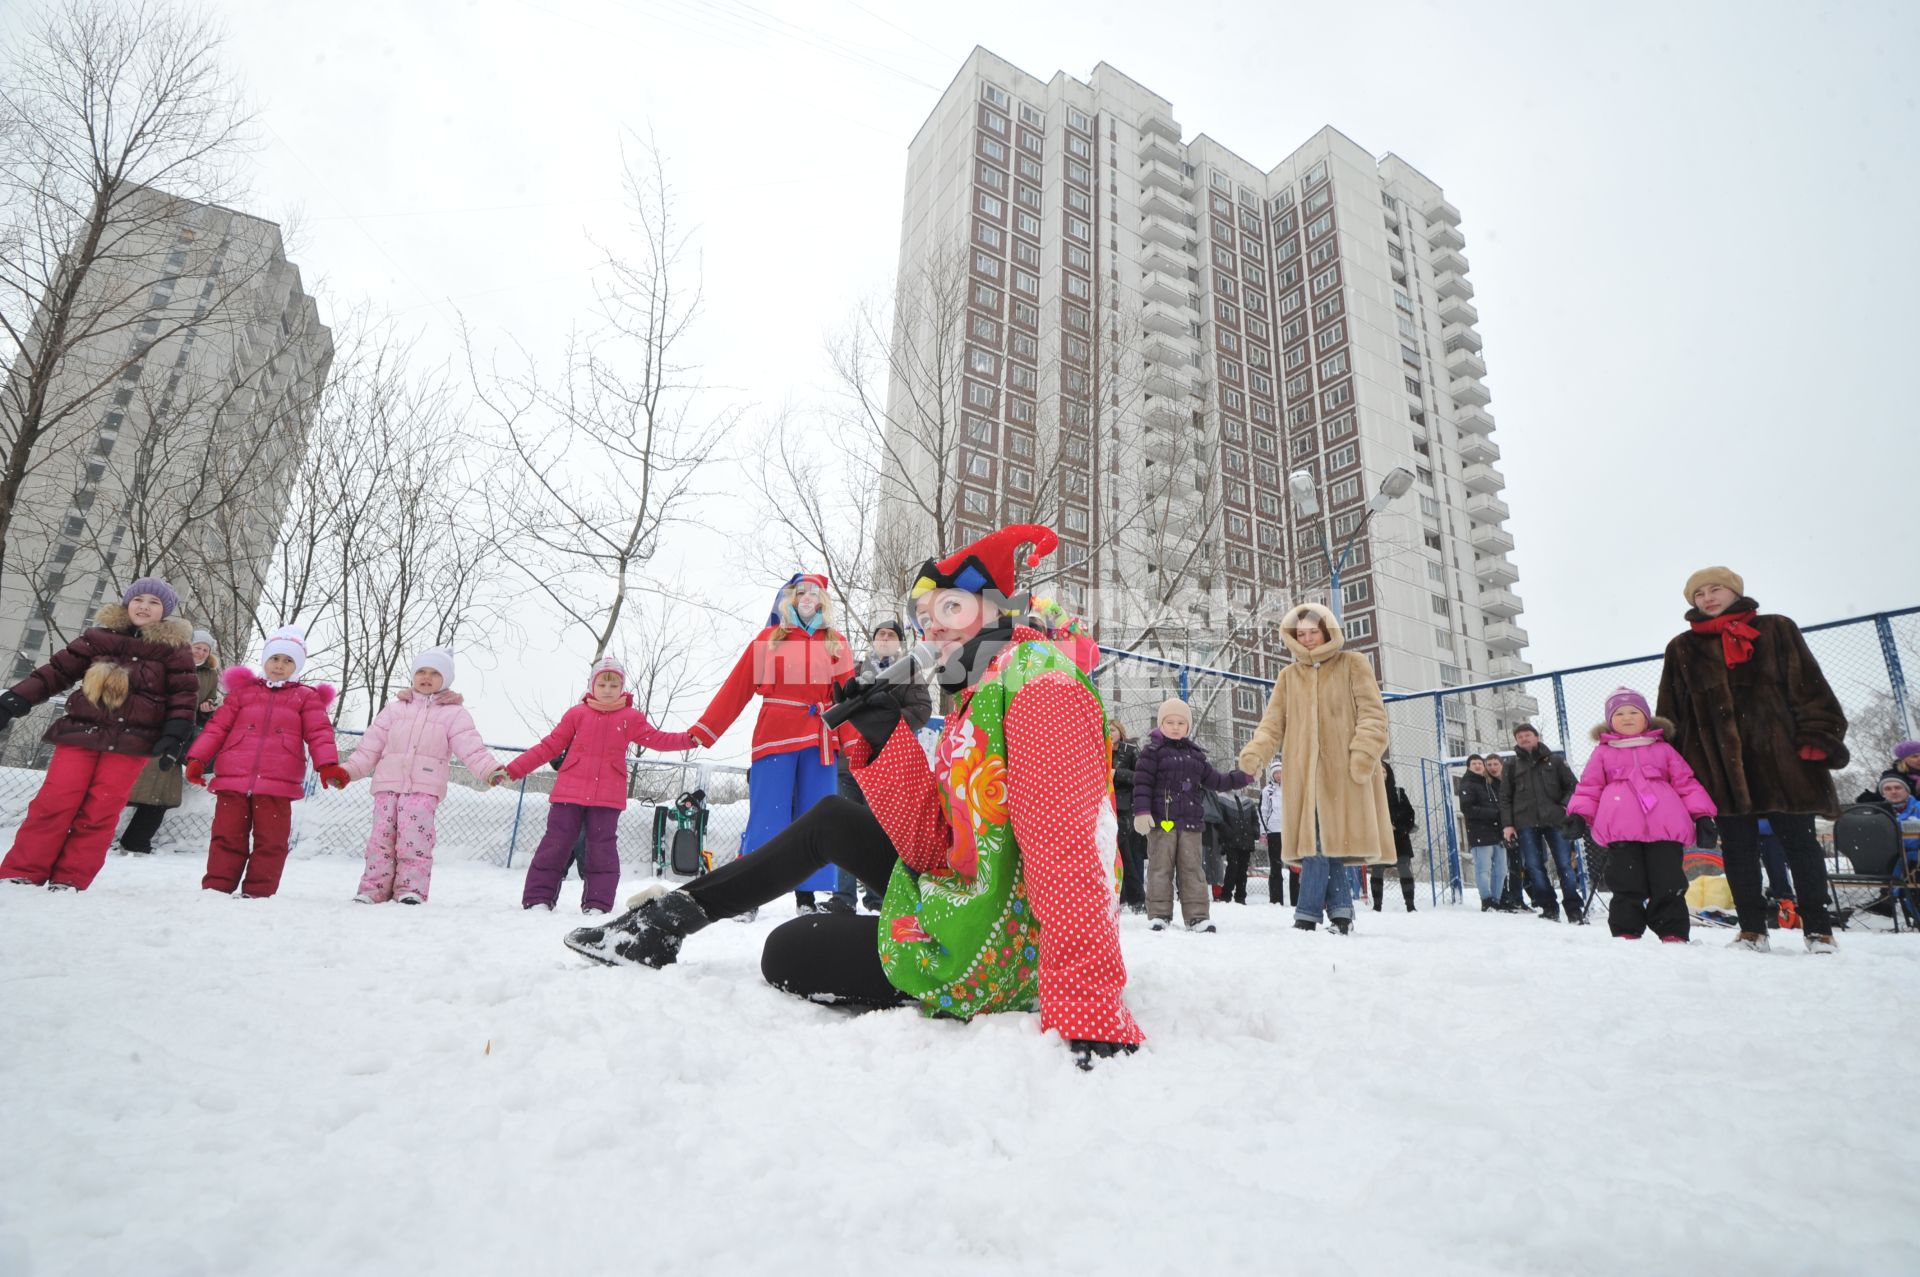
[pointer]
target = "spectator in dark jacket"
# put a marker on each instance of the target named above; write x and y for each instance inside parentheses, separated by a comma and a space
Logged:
(1239, 835)
(1169, 782)
(1400, 809)
(1513, 899)
(1133, 843)
(1533, 809)
(916, 707)
(1480, 809)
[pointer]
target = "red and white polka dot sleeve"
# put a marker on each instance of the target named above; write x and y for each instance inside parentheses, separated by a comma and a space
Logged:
(1057, 783)
(899, 786)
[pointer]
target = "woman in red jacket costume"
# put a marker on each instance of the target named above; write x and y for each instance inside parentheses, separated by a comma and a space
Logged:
(793, 666)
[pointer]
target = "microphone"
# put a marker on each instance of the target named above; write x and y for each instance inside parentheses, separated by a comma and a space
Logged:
(871, 684)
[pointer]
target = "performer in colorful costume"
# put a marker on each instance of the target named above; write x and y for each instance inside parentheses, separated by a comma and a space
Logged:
(999, 857)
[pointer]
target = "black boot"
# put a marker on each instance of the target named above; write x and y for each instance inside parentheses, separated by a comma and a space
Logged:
(647, 935)
(1406, 890)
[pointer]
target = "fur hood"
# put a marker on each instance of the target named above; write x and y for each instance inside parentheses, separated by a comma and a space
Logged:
(1654, 724)
(1336, 640)
(169, 632)
(441, 697)
(239, 676)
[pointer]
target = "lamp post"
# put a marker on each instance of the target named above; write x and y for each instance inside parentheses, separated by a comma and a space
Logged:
(1396, 483)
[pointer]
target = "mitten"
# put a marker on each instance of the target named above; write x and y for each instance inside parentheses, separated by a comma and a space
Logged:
(1706, 834)
(1142, 823)
(334, 776)
(196, 772)
(1576, 829)
(14, 705)
(499, 776)
(1813, 754)
(167, 751)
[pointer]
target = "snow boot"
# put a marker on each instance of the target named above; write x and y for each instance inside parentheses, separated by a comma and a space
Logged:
(411, 898)
(18, 882)
(1158, 924)
(1342, 926)
(1752, 942)
(67, 886)
(1821, 944)
(1205, 924)
(1673, 940)
(364, 899)
(648, 934)
(1301, 924)
(1085, 1052)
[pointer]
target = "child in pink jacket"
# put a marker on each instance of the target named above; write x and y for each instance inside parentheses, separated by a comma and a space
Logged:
(406, 750)
(1639, 800)
(591, 788)
(258, 742)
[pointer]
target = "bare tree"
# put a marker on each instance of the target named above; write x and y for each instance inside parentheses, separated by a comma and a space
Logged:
(110, 116)
(607, 457)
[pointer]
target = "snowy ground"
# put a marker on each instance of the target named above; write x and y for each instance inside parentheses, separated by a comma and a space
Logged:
(198, 1085)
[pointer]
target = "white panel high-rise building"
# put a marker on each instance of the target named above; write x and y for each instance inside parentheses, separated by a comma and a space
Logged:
(1164, 322)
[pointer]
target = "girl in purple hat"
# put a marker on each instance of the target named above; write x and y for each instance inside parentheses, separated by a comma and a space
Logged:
(1639, 800)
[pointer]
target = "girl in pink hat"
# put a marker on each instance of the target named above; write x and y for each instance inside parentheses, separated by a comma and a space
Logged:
(1639, 800)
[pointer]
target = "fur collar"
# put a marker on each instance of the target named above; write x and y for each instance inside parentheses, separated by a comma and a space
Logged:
(441, 697)
(239, 676)
(169, 631)
(1741, 604)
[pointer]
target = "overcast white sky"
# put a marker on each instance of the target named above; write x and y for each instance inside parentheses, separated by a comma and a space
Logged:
(1688, 223)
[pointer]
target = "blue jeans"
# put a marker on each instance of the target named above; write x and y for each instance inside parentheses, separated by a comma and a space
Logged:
(1537, 884)
(1324, 887)
(1490, 872)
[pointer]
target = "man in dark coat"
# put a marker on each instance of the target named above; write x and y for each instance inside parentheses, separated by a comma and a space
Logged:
(1753, 716)
(1239, 836)
(1400, 808)
(1533, 807)
(1133, 843)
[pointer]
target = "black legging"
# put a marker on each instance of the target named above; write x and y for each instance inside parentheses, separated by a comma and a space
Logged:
(822, 957)
(1740, 853)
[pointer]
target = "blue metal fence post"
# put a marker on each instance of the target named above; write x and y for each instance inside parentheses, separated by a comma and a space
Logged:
(1183, 683)
(513, 838)
(1456, 888)
(1896, 677)
(1566, 743)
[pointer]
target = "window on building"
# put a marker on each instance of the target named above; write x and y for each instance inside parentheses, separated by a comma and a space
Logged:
(973, 501)
(993, 150)
(1356, 591)
(1342, 457)
(1336, 396)
(1344, 490)
(982, 363)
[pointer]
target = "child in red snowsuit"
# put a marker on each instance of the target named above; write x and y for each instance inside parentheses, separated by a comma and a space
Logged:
(134, 702)
(257, 743)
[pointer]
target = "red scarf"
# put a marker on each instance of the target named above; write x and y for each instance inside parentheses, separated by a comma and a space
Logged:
(1736, 635)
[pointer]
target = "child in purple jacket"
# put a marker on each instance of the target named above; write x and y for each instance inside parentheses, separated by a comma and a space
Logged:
(1639, 800)
(1170, 781)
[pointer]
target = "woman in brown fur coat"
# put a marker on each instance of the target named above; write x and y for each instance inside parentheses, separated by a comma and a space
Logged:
(134, 702)
(1326, 719)
(1753, 716)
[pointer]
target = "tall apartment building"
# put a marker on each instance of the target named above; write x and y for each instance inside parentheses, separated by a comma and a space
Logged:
(185, 416)
(1196, 328)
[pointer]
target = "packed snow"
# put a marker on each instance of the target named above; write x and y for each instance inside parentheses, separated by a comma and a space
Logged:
(197, 1085)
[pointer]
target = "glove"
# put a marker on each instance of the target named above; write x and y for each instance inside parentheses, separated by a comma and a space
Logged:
(196, 772)
(1706, 834)
(1813, 754)
(878, 715)
(1142, 823)
(334, 776)
(1085, 1051)
(167, 751)
(1576, 829)
(13, 705)
(1240, 779)
(1360, 767)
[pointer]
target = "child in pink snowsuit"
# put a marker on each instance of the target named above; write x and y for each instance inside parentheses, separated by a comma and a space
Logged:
(1643, 804)
(591, 788)
(406, 751)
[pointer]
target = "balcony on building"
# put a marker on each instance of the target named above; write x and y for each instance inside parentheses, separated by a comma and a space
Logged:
(1445, 236)
(1484, 507)
(1164, 203)
(1489, 538)
(1510, 667)
(1156, 229)
(1441, 211)
(1460, 337)
(1160, 126)
(1174, 321)
(1166, 420)
(1482, 479)
(1449, 261)
(1472, 421)
(1476, 449)
(1494, 568)
(1170, 381)
(1161, 348)
(1499, 602)
(1166, 177)
(1452, 284)
(1161, 149)
(1468, 390)
(1458, 310)
(1465, 363)
(1505, 636)
(1163, 286)
(1398, 268)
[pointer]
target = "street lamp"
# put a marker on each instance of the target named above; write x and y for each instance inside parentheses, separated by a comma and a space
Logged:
(1395, 484)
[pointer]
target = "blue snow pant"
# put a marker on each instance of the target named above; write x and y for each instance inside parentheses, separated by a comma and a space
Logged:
(1325, 886)
(779, 788)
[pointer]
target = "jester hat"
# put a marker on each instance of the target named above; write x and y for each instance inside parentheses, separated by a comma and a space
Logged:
(988, 566)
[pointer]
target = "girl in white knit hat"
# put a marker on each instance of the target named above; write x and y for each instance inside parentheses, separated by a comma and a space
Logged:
(408, 749)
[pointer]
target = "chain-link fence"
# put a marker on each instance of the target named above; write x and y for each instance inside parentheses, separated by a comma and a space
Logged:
(1865, 660)
(501, 825)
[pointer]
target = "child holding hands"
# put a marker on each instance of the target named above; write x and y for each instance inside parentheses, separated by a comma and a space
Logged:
(591, 788)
